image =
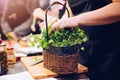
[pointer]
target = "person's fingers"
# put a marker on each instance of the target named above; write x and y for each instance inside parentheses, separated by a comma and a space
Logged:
(62, 23)
(35, 12)
(33, 28)
(56, 25)
(39, 13)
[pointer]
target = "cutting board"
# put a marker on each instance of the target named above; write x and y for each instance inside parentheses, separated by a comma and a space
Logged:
(38, 71)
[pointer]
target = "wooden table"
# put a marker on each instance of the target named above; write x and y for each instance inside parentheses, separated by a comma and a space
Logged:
(19, 67)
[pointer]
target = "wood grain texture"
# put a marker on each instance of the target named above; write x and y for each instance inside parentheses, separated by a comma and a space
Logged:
(38, 71)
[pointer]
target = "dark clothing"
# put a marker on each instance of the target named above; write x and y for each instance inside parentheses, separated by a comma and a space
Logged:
(102, 51)
(80, 6)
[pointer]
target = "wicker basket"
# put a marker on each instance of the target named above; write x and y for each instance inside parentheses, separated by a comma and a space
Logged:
(61, 64)
(62, 60)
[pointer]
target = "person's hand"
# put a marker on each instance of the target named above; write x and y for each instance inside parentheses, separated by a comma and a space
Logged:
(33, 27)
(65, 23)
(50, 22)
(39, 13)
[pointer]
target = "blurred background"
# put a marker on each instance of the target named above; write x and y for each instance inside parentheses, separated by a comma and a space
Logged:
(17, 17)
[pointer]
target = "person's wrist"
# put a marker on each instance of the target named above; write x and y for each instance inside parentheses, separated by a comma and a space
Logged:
(76, 21)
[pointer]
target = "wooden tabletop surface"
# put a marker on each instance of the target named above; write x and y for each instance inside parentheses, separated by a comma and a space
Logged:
(19, 67)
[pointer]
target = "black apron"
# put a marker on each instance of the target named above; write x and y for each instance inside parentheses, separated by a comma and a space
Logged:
(102, 51)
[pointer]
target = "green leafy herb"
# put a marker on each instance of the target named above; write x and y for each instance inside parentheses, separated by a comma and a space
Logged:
(61, 38)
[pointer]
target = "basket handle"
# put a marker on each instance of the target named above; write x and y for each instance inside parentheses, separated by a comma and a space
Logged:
(56, 2)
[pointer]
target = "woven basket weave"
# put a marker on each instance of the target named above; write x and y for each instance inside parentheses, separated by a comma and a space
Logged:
(60, 59)
(61, 64)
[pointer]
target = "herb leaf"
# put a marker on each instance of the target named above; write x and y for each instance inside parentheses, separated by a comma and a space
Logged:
(61, 37)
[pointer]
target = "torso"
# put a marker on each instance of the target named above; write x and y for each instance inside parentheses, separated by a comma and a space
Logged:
(102, 39)
(103, 32)
(102, 52)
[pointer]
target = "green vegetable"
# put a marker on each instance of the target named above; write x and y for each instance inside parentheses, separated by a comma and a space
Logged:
(61, 38)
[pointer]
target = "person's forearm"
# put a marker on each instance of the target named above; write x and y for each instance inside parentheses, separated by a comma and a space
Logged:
(106, 15)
